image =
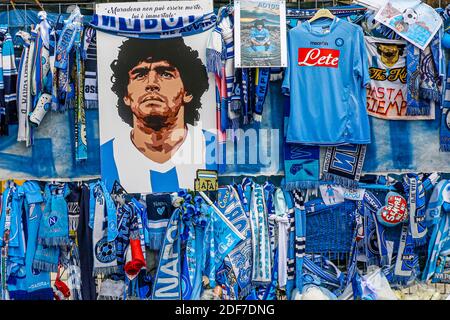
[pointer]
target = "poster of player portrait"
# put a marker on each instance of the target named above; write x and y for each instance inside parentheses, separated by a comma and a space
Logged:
(157, 103)
(413, 20)
(260, 33)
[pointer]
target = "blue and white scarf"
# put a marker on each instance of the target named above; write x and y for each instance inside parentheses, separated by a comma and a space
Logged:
(38, 283)
(8, 74)
(290, 284)
(416, 207)
(103, 221)
(159, 211)
(262, 266)
(422, 77)
(54, 226)
(154, 28)
(407, 261)
(438, 219)
(301, 166)
(444, 133)
(300, 237)
(167, 279)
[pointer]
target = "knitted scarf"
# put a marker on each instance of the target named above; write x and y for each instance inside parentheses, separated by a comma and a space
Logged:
(416, 207)
(290, 284)
(407, 260)
(38, 283)
(103, 211)
(23, 87)
(300, 237)
(261, 271)
(159, 211)
(439, 223)
(343, 164)
(167, 279)
(54, 226)
(374, 230)
(444, 133)
(74, 273)
(301, 163)
(90, 64)
(80, 115)
(282, 222)
(422, 77)
(124, 213)
(261, 88)
(154, 29)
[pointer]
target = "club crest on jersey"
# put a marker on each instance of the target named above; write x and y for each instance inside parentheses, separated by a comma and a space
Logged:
(316, 57)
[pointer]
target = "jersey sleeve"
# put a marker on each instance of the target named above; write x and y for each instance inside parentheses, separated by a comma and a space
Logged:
(286, 86)
(361, 63)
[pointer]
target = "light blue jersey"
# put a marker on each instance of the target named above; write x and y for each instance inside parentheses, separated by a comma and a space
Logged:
(326, 78)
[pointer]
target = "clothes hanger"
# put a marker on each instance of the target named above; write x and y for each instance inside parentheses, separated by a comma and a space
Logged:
(322, 13)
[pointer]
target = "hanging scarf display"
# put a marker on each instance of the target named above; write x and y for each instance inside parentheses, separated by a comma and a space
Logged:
(261, 272)
(159, 211)
(301, 166)
(343, 164)
(167, 279)
(444, 131)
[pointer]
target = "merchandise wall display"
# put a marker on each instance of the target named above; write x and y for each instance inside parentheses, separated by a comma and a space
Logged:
(114, 129)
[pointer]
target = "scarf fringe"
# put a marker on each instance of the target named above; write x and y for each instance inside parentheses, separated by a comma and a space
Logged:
(91, 104)
(156, 241)
(430, 94)
(420, 111)
(348, 183)
(235, 104)
(213, 61)
(45, 266)
(105, 271)
(307, 184)
(444, 147)
(55, 241)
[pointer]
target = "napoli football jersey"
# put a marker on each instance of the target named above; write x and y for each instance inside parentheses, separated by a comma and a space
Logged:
(326, 78)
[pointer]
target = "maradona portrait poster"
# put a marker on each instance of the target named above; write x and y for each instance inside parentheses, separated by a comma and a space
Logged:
(156, 99)
(260, 33)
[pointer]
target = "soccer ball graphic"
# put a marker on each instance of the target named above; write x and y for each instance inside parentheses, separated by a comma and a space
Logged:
(410, 16)
(105, 251)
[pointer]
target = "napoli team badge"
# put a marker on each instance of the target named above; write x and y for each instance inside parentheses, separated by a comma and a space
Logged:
(339, 42)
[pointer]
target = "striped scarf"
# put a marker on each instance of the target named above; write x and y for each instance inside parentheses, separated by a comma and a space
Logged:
(300, 237)
(262, 266)
(8, 75)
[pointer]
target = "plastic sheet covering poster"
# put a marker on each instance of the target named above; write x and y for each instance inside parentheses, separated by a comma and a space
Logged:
(52, 154)
(156, 99)
(260, 33)
(386, 96)
(413, 20)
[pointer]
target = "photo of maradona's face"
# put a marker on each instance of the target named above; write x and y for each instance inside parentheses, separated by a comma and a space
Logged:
(155, 90)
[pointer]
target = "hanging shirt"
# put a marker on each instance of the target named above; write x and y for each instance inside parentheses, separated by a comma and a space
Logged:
(326, 78)
(139, 174)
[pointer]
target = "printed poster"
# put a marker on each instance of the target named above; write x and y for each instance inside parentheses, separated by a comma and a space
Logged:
(413, 20)
(156, 100)
(387, 94)
(260, 33)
